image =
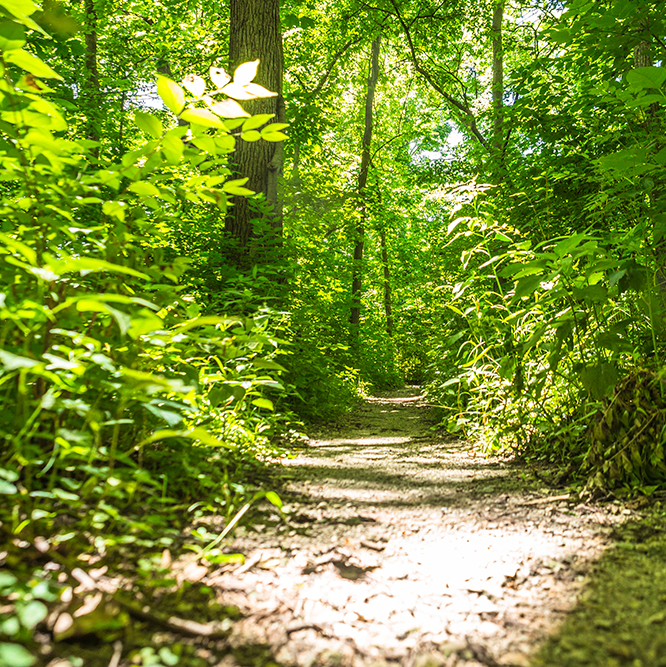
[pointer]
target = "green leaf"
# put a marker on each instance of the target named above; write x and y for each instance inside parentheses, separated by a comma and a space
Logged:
(235, 187)
(274, 499)
(65, 495)
(9, 475)
(591, 294)
(209, 320)
(149, 124)
(13, 362)
(92, 305)
(599, 379)
(168, 657)
(7, 580)
(25, 7)
(145, 322)
(144, 188)
(7, 488)
(272, 132)
(32, 614)
(202, 117)
(257, 121)
(251, 136)
(263, 403)
(22, 9)
(173, 148)
(567, 245)
(87, 265)
(114, 209)
(268, 364)
(647, 77)
(527, 286)
(19, 247)
(171, 418)
(31, 64)
(12, 35)
(14, 655)
(171, 93)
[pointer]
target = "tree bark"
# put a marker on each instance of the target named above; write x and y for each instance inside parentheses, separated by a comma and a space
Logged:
(498, 89)
(388, 306)
(357, 266)
(255, 34)
(91, 93)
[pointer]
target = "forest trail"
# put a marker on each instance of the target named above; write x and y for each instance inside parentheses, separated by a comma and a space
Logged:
(406, 548)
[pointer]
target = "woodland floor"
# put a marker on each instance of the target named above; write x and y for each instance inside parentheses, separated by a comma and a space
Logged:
(407, 548)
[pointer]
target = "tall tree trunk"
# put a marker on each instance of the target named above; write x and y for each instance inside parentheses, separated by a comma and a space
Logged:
(357, 267)
(255, 34)
(388, 306)
(643, 58)
(498, 89)
(91, 94)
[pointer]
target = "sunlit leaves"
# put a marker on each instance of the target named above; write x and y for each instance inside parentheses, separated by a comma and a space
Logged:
(647, 77)
(149, 124)
(229, 109)
(246, 72)
(31, 63)
(236, 187)
(256, 121)
(251, 136)
(219, 77)
(202, 117)
(194, 84)
(12, 35)
(273, 132)
(242, 88)
(15, 655)
(171, 93)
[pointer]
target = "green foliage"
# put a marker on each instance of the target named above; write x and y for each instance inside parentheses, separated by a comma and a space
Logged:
(128, 408)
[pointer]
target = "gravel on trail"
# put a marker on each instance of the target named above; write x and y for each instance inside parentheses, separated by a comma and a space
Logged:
(404, 547)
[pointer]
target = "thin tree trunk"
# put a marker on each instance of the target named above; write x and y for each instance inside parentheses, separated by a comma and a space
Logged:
(388, 306)
(498, 93)
(357, 267)
(255, 34)
(91, 94)
(643, 58)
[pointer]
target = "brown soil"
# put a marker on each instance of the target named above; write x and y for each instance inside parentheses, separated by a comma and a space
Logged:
(404, 547)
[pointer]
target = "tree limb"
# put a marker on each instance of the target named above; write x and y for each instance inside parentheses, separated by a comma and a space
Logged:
(465, 115)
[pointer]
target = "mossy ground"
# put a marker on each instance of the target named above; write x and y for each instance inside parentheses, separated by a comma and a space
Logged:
(621, 619)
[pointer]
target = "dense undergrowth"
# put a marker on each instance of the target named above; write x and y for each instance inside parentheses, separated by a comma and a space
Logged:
(131, 406)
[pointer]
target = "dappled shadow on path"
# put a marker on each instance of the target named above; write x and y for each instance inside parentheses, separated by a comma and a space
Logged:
(405, 548)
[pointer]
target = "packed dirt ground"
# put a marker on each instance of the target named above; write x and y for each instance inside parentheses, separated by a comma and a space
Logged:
(405, 547)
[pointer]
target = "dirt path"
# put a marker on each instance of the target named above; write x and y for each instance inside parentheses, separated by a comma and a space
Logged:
(404, 548)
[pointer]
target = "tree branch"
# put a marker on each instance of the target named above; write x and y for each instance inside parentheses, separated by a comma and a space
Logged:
(465, 115)
(336, 57)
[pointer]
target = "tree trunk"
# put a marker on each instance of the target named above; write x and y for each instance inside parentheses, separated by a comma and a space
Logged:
(357, 267)
(255, 35)
(91, 94)
(498, 89)
(388, 307)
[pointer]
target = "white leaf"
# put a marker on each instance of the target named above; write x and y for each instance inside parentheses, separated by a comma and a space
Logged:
(219, 77)
(229, 109)
(246, 92)
(246, 72)
(256, 90)
(195, 84)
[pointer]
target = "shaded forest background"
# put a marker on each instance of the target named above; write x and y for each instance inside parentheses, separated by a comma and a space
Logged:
(223, 221)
